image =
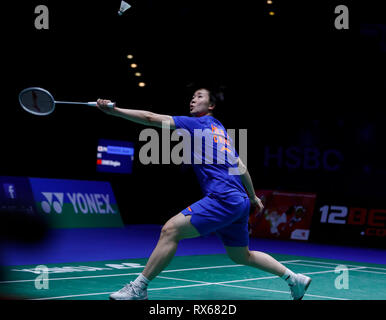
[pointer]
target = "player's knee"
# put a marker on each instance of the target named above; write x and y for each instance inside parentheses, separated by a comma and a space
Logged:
(169, 231)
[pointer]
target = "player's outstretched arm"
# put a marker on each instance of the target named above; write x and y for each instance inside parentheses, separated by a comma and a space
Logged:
(143, 117)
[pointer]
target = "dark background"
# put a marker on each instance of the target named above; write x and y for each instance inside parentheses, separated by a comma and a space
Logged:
(291, 79)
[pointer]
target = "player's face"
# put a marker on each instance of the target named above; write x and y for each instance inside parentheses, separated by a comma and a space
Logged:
(200, 105)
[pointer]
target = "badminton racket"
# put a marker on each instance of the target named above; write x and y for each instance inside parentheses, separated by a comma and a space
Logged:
(39, 101)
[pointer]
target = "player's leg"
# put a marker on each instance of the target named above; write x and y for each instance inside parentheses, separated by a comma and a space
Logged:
(236, 240)
(257, 259)
(297, 282)
(177, 228)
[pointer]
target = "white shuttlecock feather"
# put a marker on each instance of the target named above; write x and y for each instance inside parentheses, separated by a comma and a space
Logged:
(123, 8)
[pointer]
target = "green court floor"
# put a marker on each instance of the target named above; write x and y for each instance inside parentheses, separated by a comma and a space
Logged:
(205, 277)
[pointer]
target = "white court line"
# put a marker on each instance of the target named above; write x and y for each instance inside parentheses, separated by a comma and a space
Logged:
(75, 278)
(367, 271)
(136, 273)
(264, 278)
(261, 278)
(278, 291)
(359, 270)
(318, 266)
(73, 296)
(311, 265)
(201, 283)
(225, 283)
(337, 264)
(286, 292)
(124, 274)
(100, 293)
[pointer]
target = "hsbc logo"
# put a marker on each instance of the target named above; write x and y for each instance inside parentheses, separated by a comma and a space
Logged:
(81, 202)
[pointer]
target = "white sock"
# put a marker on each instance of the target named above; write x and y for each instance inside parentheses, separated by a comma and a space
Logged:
(141, 281)
(288, 276)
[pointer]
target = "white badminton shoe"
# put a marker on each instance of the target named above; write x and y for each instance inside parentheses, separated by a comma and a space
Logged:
(130, 292)
(300, 286)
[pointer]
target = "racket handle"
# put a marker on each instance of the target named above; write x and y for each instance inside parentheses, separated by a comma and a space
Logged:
(94, 104)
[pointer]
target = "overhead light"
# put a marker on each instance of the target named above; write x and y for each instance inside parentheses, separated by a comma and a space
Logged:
(141, 84)
(137, 74)
(130, 56)
(271, 13)
(133, 65)
(269, 1)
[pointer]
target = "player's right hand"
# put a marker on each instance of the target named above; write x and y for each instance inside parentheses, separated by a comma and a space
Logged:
(102, 105)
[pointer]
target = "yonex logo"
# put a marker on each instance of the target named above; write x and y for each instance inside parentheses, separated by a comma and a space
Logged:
(54, 201)
(84, 203)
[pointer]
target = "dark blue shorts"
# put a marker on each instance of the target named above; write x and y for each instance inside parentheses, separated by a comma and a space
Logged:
(227, 217)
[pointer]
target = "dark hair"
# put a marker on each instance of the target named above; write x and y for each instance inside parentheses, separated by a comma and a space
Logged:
(216, 93)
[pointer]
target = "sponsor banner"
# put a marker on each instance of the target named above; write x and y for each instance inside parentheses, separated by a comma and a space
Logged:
(16, 195)
(349, 224)
(286, 215)
(76, 203)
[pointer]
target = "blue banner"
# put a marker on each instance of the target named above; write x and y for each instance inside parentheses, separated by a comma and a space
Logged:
(76, 203)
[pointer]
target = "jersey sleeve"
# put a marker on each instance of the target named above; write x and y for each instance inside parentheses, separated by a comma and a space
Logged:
(187, 123)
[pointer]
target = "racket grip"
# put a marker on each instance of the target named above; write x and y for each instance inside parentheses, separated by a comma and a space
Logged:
(94, 104)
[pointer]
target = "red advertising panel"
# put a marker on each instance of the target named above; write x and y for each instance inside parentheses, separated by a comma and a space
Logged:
(286, 215)
(353, 224)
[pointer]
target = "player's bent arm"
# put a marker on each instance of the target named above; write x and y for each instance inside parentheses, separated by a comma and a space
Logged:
(247, 182)
(246, 179)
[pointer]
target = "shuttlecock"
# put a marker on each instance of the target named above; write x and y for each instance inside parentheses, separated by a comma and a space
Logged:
(123, 8)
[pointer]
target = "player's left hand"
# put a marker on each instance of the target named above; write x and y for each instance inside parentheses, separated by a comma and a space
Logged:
(256, 202)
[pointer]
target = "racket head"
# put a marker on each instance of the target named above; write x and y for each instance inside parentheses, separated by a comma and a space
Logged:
(37, 101)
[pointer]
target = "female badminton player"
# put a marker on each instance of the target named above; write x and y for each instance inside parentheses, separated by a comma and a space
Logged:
(224, 209)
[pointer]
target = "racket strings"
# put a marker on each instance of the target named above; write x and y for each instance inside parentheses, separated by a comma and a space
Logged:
(37, 101)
